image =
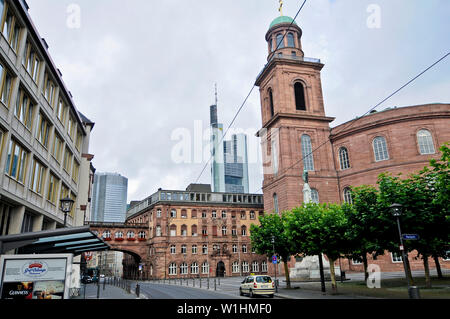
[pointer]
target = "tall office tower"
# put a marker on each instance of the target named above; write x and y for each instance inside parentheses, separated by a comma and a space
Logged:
(109, 200)
(229, 167)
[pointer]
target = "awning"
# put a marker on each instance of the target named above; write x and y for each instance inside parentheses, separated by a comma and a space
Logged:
(73, 240)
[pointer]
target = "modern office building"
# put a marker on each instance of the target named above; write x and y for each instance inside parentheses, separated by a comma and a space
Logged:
(44, 139)
(109, 199)
(229, 165)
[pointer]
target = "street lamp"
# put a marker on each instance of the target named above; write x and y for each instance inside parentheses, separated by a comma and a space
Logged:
(275, 265)
(66, 206)
(396, 211)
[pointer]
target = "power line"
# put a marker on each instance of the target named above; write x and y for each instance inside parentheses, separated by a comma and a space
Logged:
(248, 95)
(370, 110)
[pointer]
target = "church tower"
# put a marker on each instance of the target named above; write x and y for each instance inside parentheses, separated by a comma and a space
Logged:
(294, 123)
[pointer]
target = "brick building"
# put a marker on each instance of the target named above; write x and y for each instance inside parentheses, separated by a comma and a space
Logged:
(296, 136)
(198, 233)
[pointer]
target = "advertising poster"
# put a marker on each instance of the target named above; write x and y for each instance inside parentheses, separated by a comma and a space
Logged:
(34, 278)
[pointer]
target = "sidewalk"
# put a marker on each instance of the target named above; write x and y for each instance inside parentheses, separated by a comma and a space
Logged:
(110, 292)
(296, 292)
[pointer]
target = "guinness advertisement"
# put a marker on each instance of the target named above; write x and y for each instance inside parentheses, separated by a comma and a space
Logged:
(39, 277)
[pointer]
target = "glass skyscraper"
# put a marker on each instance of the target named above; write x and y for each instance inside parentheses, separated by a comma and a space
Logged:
(109, 198)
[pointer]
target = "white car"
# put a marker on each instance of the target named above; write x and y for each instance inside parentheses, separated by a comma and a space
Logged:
(257, 285)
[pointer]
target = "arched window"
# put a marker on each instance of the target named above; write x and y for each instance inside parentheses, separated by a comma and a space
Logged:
(224, 230)
(183, 230)
(275, 203)
(315, 196)
(300, 102)
(205, 249)
(235, 267)
(130, 234)
(106, 234)
(183, 249)
(348, 195)
(173, 249)
(194, 268)
(194, 230)
(244, 230)
(272, 112)
(290, 40)
(425, 141)
(270, 45)
(308, 160)
(205, 268)
(380, 149)
(255, 266)
(280, 41)
(118, 234)
(183, 269)
(158, 231)
(244, 248)
(245, 267)
(141, 235)
(274, 154)
(264, 266)
(173, 230)
(172, 269)
(343, 158)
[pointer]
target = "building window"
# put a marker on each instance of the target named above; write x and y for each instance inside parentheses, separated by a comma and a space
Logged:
(16, 161)
(280, 41)
(31, 62)
(244, 231)
(173, 249)
(194, 230)
(224, 214)
(78, 141)
(245, 267)
(24, 109)
(118, 234)
(348, 195)
(204, 230)
(204, 214)
(205, 268)
(27, 223)
(234, 231)
(343, 158)
(300, 102)
(37, 177)
(396, 257)
(130, 235)
(173, 213)
(11, 28)
(61, 111)
(425, 141)
(183, 249)
(308, 160)
(67, 164)
(244, 248)
(274, 148)
(252, 214)
(314, 196)
(158, 213)
(234, 248)
(183, 213)
(49, 89)
(158, 231)
(141, 235)
(205, 249)
(43, 131)
(173, 230)
(357, 262)
(75, 171)
(194, 268)
(172, 269)
(214, 214)
(194, 249)
(290, 40)
(243, 214)
(235, 267)
(380, 149)
(194, 213)
(264, 266)
(183, 230)
(275, 203)
(272, 111)
(255, 266)
(71, 127)
(224, 230)
(5, 85)
(106, 234)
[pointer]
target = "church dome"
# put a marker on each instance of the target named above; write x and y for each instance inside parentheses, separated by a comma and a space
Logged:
(280, 20)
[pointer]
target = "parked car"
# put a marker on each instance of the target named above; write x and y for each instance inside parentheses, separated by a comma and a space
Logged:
(257, 285)
(86, 279)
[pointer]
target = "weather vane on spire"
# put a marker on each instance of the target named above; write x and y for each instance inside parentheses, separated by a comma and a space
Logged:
(281, 7)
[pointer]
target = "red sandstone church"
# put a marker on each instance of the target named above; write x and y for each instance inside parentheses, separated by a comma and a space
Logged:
(294, 124)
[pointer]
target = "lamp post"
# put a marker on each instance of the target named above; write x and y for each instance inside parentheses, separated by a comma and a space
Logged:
(275, 265)
(66, 206)
(396, 211)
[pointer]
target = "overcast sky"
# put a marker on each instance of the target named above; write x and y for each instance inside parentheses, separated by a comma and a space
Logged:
(144, 70)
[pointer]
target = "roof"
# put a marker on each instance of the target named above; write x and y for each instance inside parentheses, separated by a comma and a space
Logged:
(73, 240)
(282, 19)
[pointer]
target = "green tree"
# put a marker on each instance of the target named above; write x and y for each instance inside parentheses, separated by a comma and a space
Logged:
(320, 228)
(272, 226)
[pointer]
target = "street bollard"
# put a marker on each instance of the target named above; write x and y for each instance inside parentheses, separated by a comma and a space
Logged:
(200, 279)
(414, 292)
(215, 285)
(218, 280)
(208, 284)
(193, 282)
(138, 290)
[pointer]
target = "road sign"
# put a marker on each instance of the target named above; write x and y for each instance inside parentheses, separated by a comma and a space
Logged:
(411, 237)
(274, 260)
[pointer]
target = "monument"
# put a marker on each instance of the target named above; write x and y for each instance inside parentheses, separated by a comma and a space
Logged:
(308, 268)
